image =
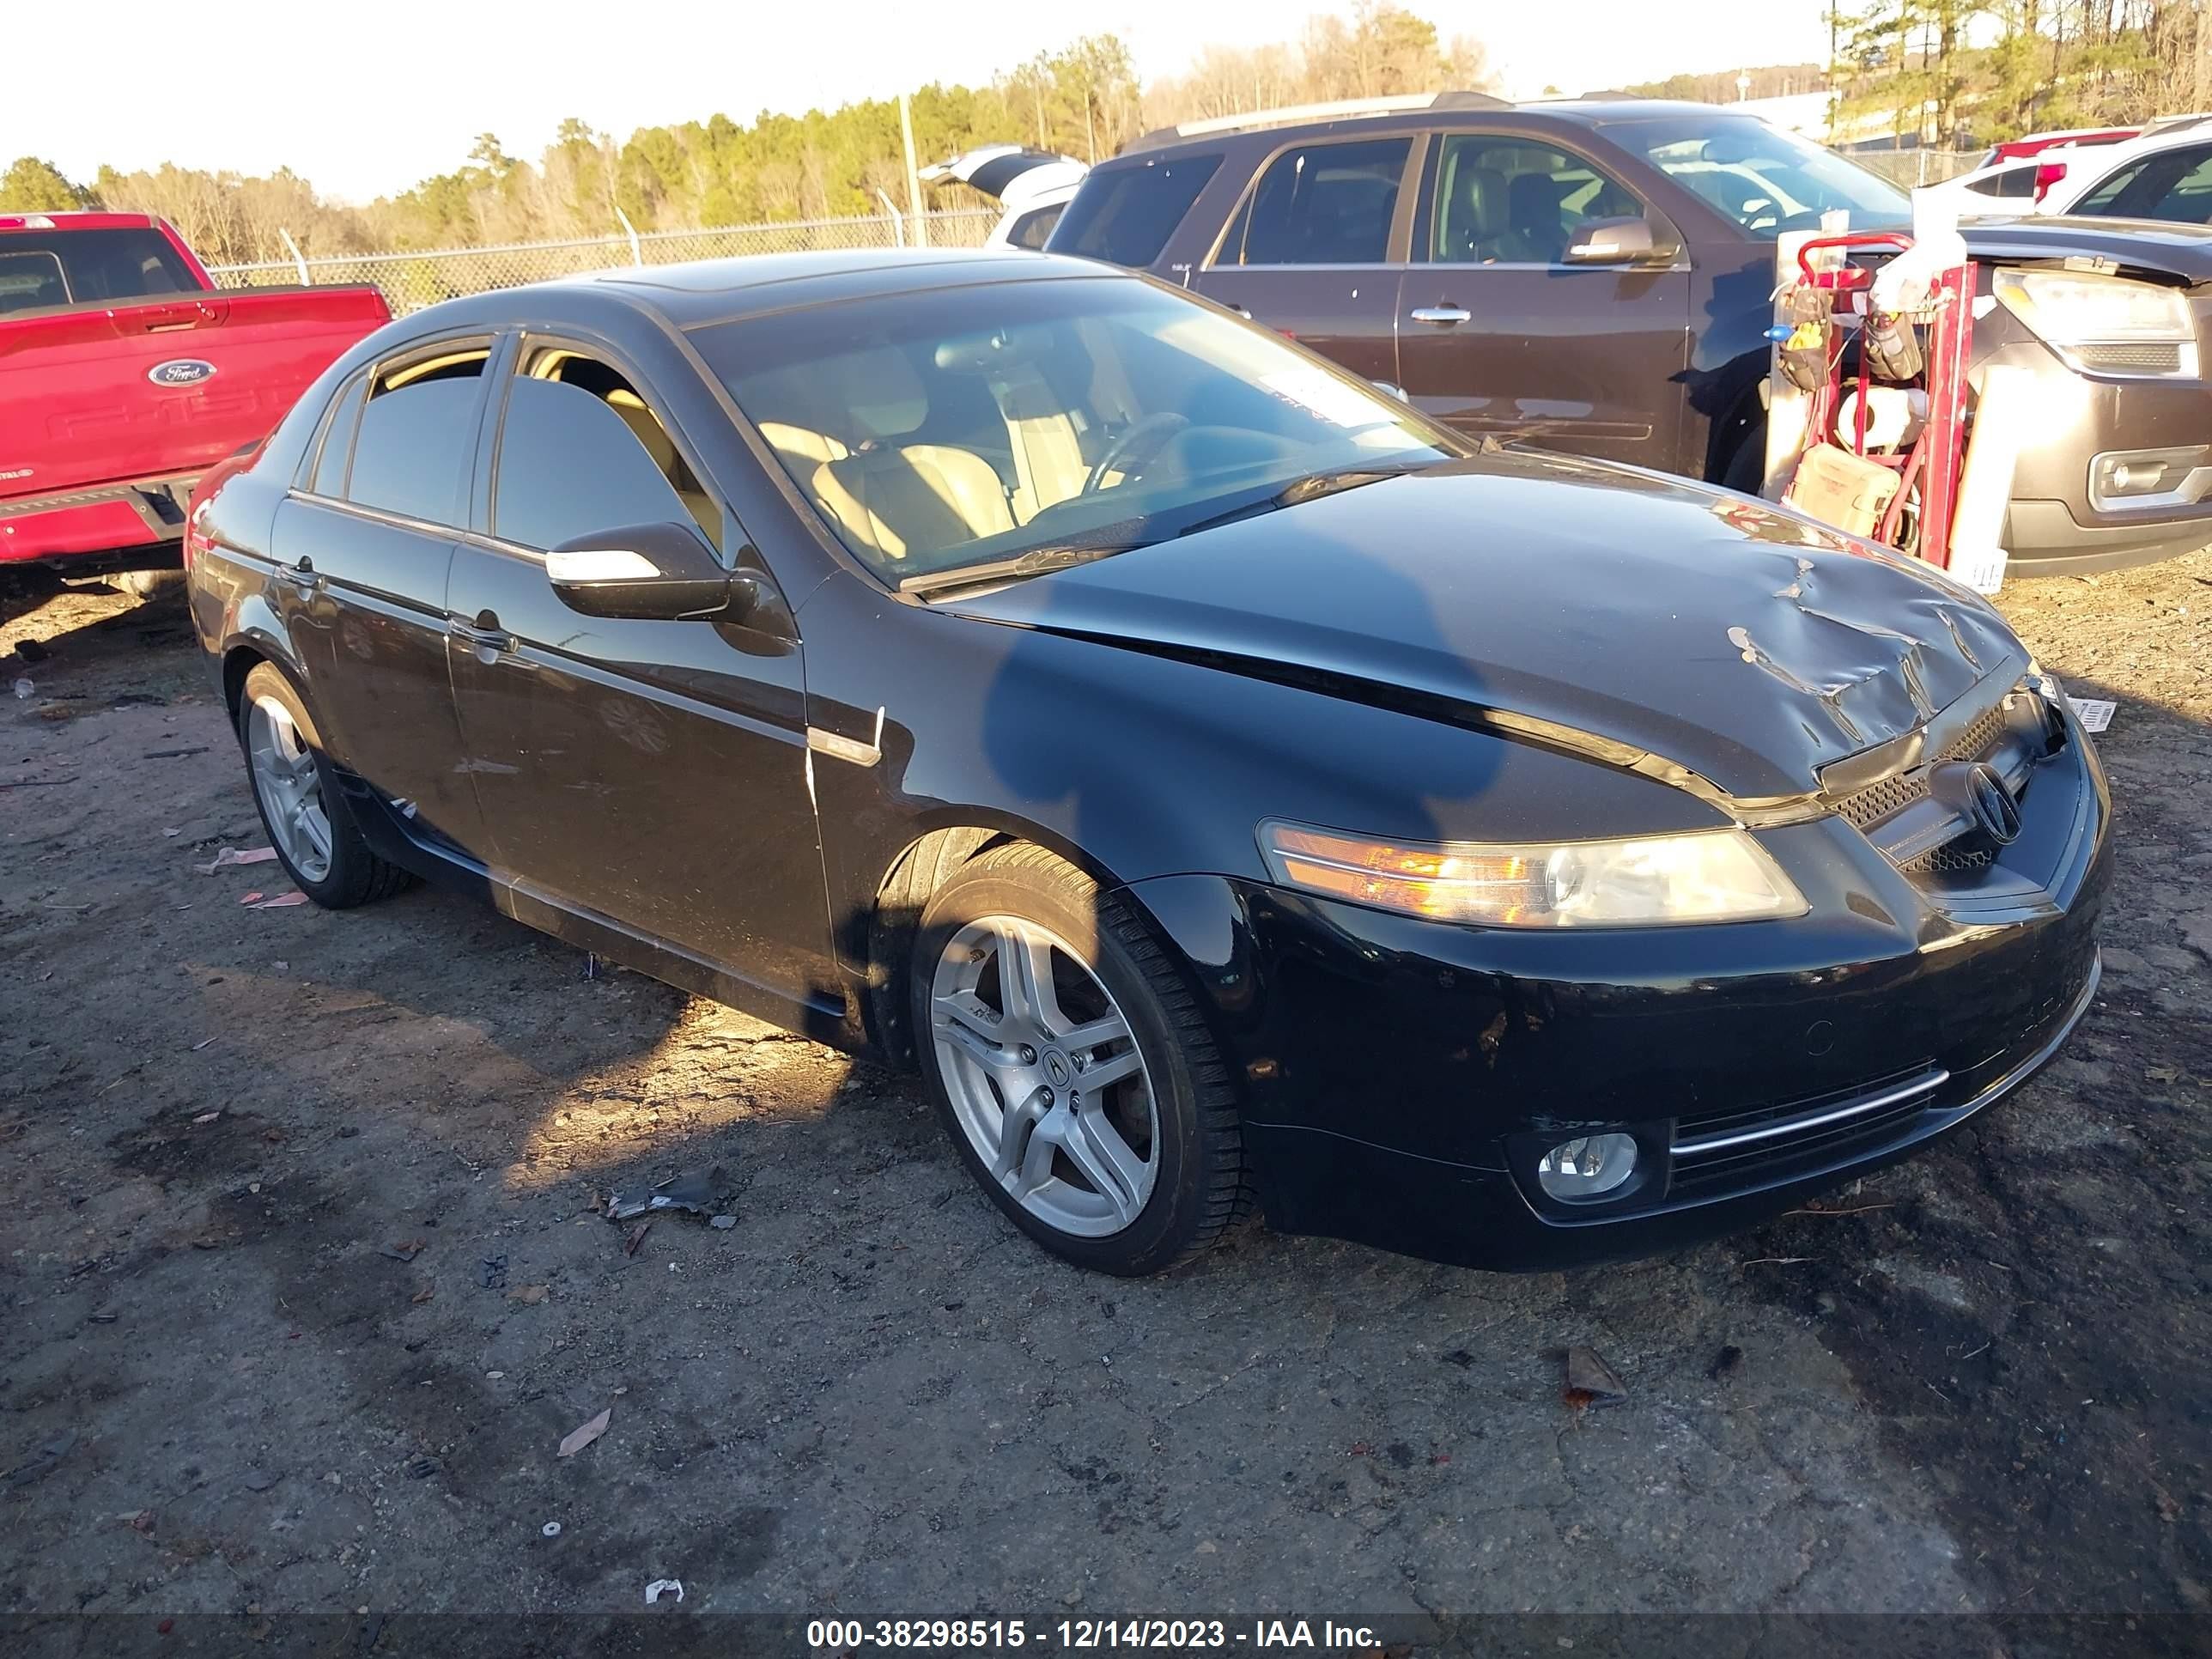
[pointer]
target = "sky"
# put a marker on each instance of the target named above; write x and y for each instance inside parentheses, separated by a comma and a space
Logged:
(366, 99)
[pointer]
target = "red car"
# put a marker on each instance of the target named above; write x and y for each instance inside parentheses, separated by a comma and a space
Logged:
(126, 375)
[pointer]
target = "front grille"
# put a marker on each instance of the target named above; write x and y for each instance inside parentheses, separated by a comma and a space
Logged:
(1871, 805)
(1741, 1148)
(1955, 859)
(2131, 359)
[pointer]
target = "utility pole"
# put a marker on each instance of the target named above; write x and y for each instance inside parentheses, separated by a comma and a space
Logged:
(913, 178)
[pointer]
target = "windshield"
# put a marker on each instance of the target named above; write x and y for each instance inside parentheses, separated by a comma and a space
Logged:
(1765, 179)
(951, 429)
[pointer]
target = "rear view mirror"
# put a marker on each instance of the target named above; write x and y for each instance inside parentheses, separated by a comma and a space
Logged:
(647, 572)
(1611, 242)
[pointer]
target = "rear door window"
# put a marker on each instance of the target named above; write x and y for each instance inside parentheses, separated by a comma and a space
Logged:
(1125, 215)
(580, 450)
(1321, 204)
(417, 434)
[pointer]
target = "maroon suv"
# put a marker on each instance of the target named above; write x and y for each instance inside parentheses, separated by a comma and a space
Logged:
(1596, 274)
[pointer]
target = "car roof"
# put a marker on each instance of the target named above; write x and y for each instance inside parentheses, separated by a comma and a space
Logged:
(1261, 129)
(729, 290)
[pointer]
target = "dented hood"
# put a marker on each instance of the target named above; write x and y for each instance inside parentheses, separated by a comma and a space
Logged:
(1737, 641)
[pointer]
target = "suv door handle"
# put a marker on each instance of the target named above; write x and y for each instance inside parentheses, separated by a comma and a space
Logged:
(1445, 315)
(493, 638)
(303, 576)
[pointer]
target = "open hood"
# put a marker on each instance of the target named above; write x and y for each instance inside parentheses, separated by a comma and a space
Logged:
(1744, 645)
(1008, 173)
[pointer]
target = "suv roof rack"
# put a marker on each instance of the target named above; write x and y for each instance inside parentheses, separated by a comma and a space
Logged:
(1339, 109)
(2163, 123)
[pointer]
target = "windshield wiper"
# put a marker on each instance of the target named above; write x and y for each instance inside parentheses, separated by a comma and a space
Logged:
(1035, 563)
(1311, 487)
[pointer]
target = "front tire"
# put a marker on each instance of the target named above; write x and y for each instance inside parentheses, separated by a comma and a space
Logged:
(301, 806)
(1071, 1068)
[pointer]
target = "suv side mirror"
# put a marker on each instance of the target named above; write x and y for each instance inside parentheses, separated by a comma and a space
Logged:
(648, 572)
(1611, 242)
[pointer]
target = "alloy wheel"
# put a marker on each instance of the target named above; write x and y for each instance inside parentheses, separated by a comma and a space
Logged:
(1044, 1076)
(290, 786)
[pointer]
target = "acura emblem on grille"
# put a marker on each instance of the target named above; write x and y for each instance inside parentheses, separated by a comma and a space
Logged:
(1995, 813)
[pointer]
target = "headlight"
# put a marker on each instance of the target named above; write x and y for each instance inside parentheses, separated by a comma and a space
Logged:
(2104, 324)
(1712, 875)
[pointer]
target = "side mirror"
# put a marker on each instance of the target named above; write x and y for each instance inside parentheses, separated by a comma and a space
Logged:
(1611, 242)
(647, 572)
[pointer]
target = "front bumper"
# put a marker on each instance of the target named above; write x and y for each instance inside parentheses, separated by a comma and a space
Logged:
(1401, 1077)
(2055, 526)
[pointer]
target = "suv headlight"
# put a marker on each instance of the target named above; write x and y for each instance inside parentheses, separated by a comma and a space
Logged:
(1711, 875)
(2104, 324)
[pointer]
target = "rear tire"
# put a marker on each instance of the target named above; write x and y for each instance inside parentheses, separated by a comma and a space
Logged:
(1080, 1085)
(301, 806)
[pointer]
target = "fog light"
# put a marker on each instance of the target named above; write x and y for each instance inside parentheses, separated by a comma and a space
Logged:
(1588, 1167)
(2146, 477)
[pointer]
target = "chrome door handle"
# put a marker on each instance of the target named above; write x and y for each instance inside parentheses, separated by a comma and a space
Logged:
(1444, 314)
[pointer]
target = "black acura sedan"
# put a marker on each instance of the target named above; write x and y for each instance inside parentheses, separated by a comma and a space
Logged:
(1228, 787)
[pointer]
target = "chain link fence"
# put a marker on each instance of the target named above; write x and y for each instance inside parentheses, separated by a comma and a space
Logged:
(410, 281)
(1914, 167)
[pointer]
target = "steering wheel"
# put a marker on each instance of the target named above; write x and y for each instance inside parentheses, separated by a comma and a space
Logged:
(1144, 439)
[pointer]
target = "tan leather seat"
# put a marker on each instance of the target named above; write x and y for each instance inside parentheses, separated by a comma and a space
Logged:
(893, 497)
(658, 444)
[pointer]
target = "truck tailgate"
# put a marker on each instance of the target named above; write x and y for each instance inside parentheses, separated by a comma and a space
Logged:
(92, 395)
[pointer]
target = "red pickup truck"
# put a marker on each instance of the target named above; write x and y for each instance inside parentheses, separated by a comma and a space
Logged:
(126, 374)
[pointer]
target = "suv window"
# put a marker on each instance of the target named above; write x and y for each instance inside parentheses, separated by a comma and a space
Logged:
(1125, 215)
(1321, 204)
(77, 267)
(1510, 202)
(2173, 185)
(580, 451)
(1033, 228)
(2012, 182)
(416, 438)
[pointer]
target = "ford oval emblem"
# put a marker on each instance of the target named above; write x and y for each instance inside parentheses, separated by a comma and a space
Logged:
(181, 371)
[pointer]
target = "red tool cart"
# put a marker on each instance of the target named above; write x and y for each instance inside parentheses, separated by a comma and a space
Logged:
(1885, 433)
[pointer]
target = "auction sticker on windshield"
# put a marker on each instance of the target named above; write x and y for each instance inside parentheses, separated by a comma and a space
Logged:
(1320, 392)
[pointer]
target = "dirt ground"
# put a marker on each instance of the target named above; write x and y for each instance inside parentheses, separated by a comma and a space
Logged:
(304, 1282)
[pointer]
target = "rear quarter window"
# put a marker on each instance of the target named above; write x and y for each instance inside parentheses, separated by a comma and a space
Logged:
(1125, 215)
